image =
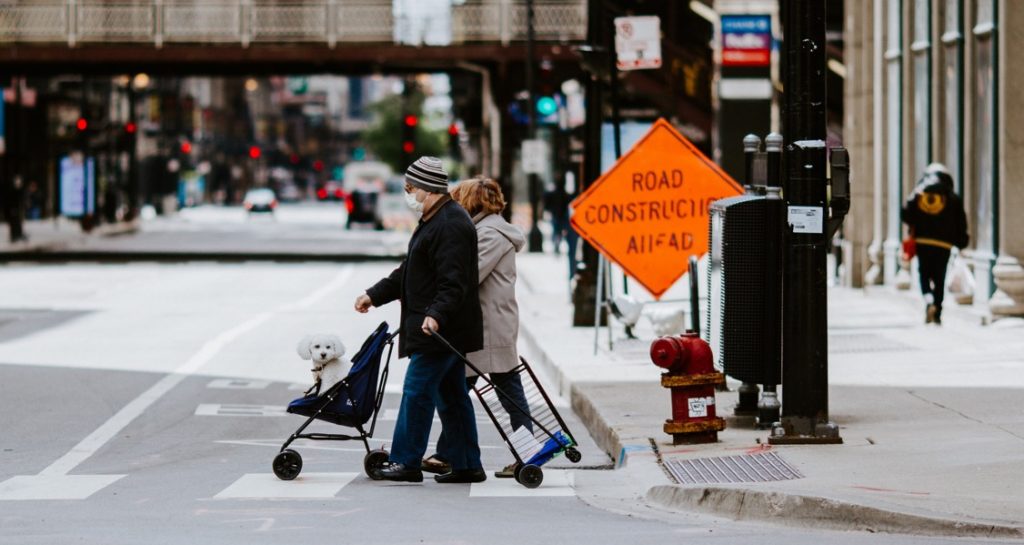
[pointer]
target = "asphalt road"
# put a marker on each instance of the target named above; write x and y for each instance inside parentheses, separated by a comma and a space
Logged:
(142, 403)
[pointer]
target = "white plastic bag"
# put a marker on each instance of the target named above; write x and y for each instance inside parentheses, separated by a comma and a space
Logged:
(960, 281)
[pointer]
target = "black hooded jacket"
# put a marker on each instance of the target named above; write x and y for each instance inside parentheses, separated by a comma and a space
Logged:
(438, 278)
(936, 214)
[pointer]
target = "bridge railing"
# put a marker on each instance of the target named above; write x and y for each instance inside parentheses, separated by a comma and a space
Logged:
(159, 22)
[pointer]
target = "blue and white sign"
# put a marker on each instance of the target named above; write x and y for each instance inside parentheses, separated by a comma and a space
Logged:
(77, 189)
(746, 40)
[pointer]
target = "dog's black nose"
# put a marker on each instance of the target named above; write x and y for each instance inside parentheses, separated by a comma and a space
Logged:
(323, 354)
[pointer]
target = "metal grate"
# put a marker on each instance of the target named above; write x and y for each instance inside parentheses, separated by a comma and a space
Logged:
(747, 468)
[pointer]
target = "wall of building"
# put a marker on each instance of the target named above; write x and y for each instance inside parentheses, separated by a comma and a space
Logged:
(934, 81)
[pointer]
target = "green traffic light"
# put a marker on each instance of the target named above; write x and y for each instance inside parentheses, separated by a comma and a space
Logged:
(546, 106)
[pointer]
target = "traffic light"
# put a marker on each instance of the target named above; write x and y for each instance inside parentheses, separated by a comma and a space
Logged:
(82, 124)
(454, 150)
(255, 152)
(186, 147)
(409, 123)
(130, 127)
(546, 106)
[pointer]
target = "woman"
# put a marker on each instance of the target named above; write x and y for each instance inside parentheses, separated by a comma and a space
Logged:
(497, 242)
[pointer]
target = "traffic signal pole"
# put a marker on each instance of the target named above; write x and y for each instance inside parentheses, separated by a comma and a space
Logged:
(536, 239)
(805, 296)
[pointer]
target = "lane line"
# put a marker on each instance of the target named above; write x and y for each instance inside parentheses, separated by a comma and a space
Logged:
(94, 441)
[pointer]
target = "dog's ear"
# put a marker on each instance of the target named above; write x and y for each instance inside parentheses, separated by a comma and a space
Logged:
(339, 347)
(303, 347)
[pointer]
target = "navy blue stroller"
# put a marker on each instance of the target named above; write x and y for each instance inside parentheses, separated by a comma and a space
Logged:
(352, 403)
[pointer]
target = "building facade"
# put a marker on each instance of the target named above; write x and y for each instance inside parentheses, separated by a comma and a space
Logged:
(937, 81)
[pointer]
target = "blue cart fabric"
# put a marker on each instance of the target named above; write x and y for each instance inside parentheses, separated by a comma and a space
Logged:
(354, 402)
(552, 447)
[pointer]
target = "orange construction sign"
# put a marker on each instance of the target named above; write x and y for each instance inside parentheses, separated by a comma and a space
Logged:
(649, 213)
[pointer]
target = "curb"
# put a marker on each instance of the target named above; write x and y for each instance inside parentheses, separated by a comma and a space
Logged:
(816, 512)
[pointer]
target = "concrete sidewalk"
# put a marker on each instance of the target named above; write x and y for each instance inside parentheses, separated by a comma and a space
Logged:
(932, 417)
(58, 234)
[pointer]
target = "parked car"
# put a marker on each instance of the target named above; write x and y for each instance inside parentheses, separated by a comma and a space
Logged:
(259, 201)
(331, 191)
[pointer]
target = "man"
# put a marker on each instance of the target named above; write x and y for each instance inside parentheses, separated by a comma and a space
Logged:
(437, 287)
(937, 221)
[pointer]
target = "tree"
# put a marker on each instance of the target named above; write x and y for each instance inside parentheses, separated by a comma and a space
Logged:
(384, 137)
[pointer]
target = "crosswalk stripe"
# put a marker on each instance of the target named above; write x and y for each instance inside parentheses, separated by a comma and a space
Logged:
(267, 486)
(557, 483)
(237, 384)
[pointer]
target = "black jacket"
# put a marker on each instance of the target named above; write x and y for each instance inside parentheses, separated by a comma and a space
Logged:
(438, 278)
(936, 214)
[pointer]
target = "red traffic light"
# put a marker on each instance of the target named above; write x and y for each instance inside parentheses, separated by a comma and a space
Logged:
(186, 147)
(453, 130)
(408, 147)
(254, 152)
(411, 120)
(318, 165)
(81, 124)
(294, 158)
(130, 127)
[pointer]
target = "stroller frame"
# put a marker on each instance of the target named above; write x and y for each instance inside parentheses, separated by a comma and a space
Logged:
(288, 463)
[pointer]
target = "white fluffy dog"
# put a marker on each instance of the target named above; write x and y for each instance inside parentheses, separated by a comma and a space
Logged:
(328, 367)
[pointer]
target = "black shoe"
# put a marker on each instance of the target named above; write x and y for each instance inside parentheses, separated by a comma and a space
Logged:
(399, 472)
(462, 476)
(938, 315)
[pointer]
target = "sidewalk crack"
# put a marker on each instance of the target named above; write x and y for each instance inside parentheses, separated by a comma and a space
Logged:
(966, 416)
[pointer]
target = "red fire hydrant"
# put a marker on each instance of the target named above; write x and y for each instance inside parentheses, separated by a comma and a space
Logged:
(692, 378)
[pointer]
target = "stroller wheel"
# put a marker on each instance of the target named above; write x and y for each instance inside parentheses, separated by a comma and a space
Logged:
(530, 476)
(373, 462)
(573, 455)
(287, 465)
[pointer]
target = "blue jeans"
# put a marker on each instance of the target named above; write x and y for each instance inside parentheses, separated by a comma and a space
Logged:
(436, 380)
(515, 397)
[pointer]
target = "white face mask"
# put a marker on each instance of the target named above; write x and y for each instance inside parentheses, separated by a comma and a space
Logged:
(414, 204)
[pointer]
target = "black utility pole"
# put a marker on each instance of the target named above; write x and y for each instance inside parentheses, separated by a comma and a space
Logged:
(536, 241)
(584, 295)
(805, 310)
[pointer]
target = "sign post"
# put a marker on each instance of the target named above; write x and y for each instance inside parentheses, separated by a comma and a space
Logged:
(649, 212)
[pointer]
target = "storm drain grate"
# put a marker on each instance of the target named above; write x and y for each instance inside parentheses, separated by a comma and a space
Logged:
(747, 468)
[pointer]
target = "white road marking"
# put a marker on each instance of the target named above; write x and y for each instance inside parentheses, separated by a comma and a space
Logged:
(54, 479)
(306, 485)
(556, 483)
(54, 487)
(218, 409)
(237, 384)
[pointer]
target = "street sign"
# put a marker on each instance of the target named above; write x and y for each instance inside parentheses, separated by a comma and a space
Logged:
(535, 156)
(649, 212)
(746, 40)
(638, 42)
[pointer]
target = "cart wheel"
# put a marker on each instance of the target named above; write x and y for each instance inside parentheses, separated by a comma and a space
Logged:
(287, 465)
(573, 455)
(373, 462)
(530, 476)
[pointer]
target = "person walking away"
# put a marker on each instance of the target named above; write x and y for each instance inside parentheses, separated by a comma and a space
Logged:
(436, 284)
(497, 241)
(937, 221)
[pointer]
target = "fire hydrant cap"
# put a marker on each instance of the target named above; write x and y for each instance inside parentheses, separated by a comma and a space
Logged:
(667, 352)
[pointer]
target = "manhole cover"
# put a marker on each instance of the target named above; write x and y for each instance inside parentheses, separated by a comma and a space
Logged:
(864, 342)
(747, 468)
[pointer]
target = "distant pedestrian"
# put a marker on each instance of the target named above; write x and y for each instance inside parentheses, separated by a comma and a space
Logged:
(497, 241)
(437, 286)
(937, 221)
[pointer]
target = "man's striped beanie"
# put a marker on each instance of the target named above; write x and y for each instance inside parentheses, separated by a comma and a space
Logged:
(428, 174)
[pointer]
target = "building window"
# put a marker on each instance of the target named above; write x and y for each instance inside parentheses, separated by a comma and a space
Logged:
(953, 76)
(983, 193)
(922, 61)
